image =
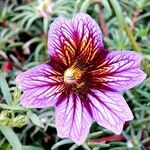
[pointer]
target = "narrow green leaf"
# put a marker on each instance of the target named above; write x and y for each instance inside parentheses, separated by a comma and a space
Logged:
(35, 119)
(30, 22)
(5, 89)
(31, 148)
(16, 44)
(11, 137)
(140, 122)
(85, 146)
(118, 11)
(19, 16)
(95, 134)
(45, 24)
(120, 147)
(2, 141)
(37, 51)
(26, 8)
(16, 61)
(74, 147)
(146, 140)
(107, 6)
(63, 142)
(142, 108)
(85, 5)
(78, 5)
(25, 19)
(100, 145)
(14, 107)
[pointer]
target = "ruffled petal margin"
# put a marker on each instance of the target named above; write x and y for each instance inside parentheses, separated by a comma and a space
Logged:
(73, 119)
(41, 86)
(119, 71)
(110, 110)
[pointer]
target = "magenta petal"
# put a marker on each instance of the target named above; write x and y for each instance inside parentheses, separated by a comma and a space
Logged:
(110, 110)
(40, 85)
(86, 27)
(120, 70)
(72, 119)
(61, 43)
(79, 38)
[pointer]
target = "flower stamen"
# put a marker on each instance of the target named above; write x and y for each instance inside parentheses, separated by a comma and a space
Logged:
(72, 75)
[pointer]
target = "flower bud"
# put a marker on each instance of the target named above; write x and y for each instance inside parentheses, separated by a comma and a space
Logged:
(19, 121)
(4, 120)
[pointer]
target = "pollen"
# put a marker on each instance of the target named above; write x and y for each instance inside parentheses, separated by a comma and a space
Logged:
(72, 75)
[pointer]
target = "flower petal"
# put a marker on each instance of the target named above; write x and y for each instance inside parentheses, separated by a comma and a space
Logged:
(71, 39)
(119, 71)
(110, 110)
(88, 37)
(41, 85)
(61, 43)
(72, 119)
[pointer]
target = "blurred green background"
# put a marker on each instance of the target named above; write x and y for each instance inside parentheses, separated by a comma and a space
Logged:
(24, 27)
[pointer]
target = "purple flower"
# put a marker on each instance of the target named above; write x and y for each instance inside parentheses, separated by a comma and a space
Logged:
(83, 80)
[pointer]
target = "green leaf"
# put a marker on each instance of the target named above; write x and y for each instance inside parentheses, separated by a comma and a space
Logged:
(95, 134)
(31, 148)
(37, 51)
(16, 61)
(146, 140)
(100, 145)
(2, 141)
(85, 5)
(74, 147)
(78, 5)
(25, 19)
(5, 89)
(45, 24)
(63, 142)
(16, 44)
(30, 22)
(14, 107)
(107, 6)
(20, 16)
(11, 137)
(35, 119)
(118, 11)
(140, 122)
(85, 146)
(26, 8)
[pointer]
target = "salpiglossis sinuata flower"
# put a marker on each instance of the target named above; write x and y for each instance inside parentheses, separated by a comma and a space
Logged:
(83, 80)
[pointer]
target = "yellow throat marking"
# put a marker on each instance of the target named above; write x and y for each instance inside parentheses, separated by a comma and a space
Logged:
(72, 74)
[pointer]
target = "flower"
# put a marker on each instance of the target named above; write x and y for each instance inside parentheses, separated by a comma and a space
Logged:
(83, 80)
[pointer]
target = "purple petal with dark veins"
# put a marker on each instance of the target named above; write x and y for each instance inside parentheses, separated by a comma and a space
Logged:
(109, 110)
(76, 39)
(119, 71)
(42, 86)
(73, 119)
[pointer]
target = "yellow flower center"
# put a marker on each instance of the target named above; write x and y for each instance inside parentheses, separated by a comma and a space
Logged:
(72, 75)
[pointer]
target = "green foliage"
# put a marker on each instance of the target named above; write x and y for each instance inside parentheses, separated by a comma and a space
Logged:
(11, 137)
(23, 44)
(5, 89)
